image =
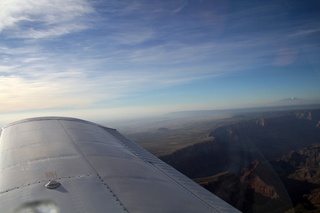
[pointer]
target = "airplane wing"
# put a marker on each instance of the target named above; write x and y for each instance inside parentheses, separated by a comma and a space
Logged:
(58, 164)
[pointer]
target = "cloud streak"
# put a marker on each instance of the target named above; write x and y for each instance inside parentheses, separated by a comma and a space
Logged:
(82, 54)
(42, 18)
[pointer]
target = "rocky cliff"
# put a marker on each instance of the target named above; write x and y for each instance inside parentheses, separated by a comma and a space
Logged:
(304, 164)
(251, 178)
(288, 184)
(256, 189)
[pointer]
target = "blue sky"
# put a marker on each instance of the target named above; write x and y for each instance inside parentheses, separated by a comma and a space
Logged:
(121, 59)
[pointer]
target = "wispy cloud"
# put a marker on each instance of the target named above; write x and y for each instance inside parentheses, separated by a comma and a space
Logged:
(48, 80)
(178, 9)
(28, 60)
(53, 31)
(42, 18)
(306, 31)
(132, 47)
(6, 69)
(21, 50)
(134, 37)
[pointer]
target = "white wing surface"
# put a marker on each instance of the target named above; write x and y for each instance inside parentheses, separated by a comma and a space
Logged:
(58, 164)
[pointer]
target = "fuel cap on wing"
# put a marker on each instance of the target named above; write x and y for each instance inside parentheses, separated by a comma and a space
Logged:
(52, 184)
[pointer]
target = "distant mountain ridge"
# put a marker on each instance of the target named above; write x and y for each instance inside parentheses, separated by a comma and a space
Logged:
(294, 101)
(281, 105)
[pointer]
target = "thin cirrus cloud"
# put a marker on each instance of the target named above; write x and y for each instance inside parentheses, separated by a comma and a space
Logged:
(50, 32)
(43, 18)
(88, 54)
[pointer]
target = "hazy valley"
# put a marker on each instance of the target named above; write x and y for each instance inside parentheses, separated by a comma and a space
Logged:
(258, 161)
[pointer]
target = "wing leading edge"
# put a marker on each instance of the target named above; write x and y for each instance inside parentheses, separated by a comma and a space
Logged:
(95, 169)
